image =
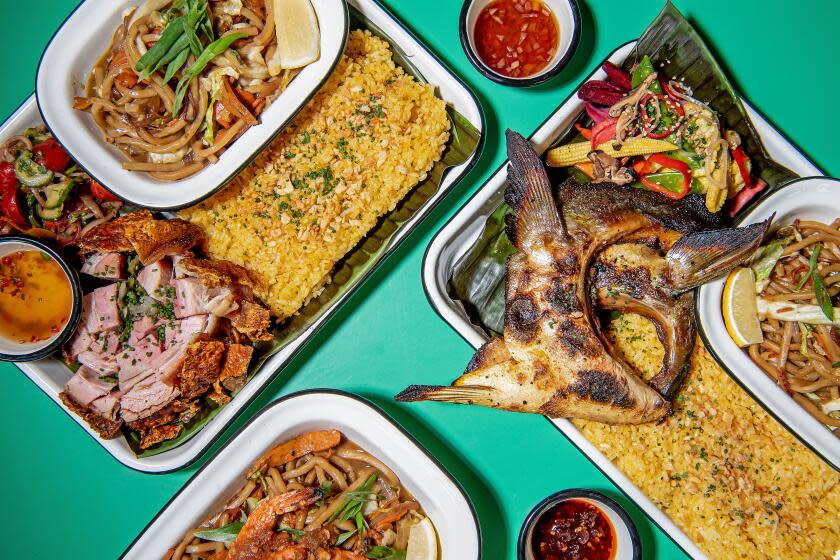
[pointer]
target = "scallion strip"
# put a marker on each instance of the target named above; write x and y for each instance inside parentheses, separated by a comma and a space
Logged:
(210, 52)
(176, 65)
(823, 297)
(812, 265)
(174, 30)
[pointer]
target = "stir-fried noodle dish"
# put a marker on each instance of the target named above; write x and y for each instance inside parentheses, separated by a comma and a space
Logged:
(315, 496)
(797, 281)
(182, 79)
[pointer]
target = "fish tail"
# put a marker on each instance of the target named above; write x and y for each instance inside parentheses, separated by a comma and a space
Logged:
(700, 257)
(529, 190)
(463, 394)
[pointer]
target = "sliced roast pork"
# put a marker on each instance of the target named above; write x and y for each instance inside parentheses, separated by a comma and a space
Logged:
(172, 345)
(155, 278)
(100, 354)
(146, 398)
(86, 386)
(95, 400)
(101, 312)
(107, 266)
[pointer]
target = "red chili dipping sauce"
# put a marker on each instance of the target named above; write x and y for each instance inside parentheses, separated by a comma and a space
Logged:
(573, 530)
(516, 38)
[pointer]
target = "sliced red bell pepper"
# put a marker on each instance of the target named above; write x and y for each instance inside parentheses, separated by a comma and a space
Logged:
(670, 163)
(602, 132)
(744, 196)
(669, 102)
(585, 132)
(8, 180)
(741, 160)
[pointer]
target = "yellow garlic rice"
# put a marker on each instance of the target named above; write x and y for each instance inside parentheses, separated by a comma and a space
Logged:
(365, 140)
(731, 477)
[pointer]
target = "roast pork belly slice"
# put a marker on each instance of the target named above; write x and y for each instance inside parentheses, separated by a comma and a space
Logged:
(86, 386)
(100, 309)
(107, 266)
(151, 355)
(155, 278)
(107, 406)
(139, 359)
(101, 353)
(190, 297)
(80, 342)
(146, 398)
(141, 327)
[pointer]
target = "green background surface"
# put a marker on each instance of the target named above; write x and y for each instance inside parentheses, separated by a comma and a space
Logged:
(63, 495)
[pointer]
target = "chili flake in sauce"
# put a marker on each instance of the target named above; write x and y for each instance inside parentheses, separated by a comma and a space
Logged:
(573, 530)
(516, 38)
(35, 297)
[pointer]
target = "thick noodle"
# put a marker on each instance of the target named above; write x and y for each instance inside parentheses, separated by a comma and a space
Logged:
(804, 359)
(135, 115)
(342, 472)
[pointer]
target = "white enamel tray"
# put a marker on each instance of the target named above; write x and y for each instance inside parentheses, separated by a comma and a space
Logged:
(51, 375)
(82, 39)
(462, 231)
(440, 495)
(815, 198)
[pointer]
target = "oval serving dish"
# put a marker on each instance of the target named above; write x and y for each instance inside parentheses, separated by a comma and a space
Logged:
(816, 198)
(27, 352)
(567, 16)
(439, 494)
(79, 43)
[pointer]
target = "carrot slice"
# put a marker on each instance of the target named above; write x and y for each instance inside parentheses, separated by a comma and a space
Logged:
(312, 442)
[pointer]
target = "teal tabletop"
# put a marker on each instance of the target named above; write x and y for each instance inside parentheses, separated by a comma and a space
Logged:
(63, 495)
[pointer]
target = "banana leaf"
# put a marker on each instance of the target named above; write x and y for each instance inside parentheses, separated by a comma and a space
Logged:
(677, 49)
(350, 271)
(478, 279)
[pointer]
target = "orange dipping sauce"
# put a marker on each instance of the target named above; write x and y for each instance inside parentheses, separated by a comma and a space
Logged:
(516, 38)
(573, 530)
(35, 297)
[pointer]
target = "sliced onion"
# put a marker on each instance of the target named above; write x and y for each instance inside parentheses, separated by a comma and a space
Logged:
(97, 222)
(92, 205)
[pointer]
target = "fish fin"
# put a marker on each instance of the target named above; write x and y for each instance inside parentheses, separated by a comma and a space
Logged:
(529, 190)
(464, 394)
(700, 257)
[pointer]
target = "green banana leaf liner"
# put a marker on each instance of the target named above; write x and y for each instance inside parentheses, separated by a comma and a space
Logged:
(463, 141)
(676, 49)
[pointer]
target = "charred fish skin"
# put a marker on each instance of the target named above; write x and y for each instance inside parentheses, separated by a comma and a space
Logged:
(631, 277)
(550, 360)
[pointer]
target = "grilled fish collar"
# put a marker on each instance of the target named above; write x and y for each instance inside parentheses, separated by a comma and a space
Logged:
(550, 360)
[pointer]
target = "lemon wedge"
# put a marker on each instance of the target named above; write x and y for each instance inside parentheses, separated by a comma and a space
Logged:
(298, 35)
(422, 542)
(740, 312)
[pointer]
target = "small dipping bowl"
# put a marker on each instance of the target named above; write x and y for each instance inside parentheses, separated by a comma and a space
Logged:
(14, 351)
(567, 16)
(626, 542)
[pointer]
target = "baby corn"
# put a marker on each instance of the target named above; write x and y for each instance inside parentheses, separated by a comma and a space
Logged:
(571, 154)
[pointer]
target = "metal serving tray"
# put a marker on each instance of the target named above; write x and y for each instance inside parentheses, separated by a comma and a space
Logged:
(51, 374)
(459, 235)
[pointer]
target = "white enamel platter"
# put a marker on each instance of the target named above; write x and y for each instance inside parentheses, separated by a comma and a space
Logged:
(815, 198)
(440, 495)
(51, 374)
(459, 235)
(80, 42)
